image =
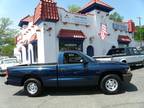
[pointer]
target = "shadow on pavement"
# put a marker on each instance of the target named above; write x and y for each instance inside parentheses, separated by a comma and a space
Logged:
(136, 67)
(64, 91)
(77, 91)
(129, 87)
(20, 93)
(72, 91)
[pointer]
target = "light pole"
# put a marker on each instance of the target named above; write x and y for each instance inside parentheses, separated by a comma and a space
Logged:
(139, 18)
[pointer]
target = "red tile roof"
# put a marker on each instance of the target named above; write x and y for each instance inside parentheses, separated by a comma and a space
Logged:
(28, 18)
(71, 34)
(99, 2)
(46, 10)
(131, 26)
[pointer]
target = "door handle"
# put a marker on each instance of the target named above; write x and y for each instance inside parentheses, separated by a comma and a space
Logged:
(61, 70)
(75, 72)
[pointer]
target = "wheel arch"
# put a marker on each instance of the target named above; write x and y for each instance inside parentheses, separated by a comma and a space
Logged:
(26, 77)
(109, 73)
(123, 60)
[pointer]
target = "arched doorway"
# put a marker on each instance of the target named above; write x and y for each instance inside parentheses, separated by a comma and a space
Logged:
(90, 51)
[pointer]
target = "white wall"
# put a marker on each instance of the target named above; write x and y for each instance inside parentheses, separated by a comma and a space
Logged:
(48, 42)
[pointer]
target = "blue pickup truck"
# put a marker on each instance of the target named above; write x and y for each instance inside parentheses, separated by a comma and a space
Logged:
(73, 69)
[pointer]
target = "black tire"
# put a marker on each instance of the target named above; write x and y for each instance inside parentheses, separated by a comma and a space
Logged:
(105, 85)
(33, 87)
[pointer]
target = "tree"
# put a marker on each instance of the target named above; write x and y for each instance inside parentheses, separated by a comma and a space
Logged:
(139, 34)
(73, 8)
(116, 17)
(5, 30)
(4, 25)
(7, 46)
(7, 40)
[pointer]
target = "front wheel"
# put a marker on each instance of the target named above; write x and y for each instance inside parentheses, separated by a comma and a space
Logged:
(110, 84)
(33, 87)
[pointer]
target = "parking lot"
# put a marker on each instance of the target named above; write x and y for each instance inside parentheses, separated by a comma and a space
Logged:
(133, 97)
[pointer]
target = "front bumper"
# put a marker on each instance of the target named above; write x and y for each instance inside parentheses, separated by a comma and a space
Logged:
(127, 77)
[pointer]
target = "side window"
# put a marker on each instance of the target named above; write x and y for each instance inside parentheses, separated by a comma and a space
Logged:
(131, 51)
(116, 52)
(72, 58)
(135, 51)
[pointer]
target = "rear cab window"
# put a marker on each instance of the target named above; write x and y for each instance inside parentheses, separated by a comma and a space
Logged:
(72, 58)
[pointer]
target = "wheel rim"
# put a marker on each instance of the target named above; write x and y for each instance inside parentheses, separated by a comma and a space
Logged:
(32, 88)
(111, 85)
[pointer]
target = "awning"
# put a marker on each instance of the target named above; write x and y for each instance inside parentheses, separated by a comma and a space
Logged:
(74, 34)
(124, 39)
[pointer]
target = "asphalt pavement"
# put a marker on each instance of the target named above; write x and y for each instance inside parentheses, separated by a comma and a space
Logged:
(132, 97)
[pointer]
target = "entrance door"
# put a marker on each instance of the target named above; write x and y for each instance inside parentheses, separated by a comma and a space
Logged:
(90, 51)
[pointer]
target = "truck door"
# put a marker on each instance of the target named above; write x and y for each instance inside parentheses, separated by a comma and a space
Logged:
(72, 72)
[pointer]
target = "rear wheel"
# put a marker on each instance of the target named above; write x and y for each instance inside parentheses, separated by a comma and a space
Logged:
(110, 84)
(33, 87)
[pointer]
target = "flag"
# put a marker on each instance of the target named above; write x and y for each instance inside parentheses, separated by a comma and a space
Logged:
(103, 31)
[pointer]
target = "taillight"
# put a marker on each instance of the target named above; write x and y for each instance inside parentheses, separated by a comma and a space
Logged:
(6, 73)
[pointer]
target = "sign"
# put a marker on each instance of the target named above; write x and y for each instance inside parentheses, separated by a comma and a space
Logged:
(120, 26)
(70, 45)
(75, 19)
(103, 31)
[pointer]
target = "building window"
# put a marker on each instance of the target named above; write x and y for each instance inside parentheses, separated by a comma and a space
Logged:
(26, 46)
(73, 44)
(21, 56)
(35, 53)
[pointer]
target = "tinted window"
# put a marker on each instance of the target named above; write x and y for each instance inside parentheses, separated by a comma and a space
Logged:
(72, 58)
(116, 52)
(135, 51)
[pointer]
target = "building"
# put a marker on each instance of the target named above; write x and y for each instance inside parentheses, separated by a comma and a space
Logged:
(52, 29)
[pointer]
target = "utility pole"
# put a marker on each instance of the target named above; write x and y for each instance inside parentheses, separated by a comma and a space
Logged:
(139, 18)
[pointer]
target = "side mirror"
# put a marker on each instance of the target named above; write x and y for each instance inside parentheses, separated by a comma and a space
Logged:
(85, 62)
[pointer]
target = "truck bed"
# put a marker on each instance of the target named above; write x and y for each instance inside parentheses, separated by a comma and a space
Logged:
(38, 64)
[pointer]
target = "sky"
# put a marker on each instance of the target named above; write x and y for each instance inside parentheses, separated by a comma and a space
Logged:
(17, 9)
